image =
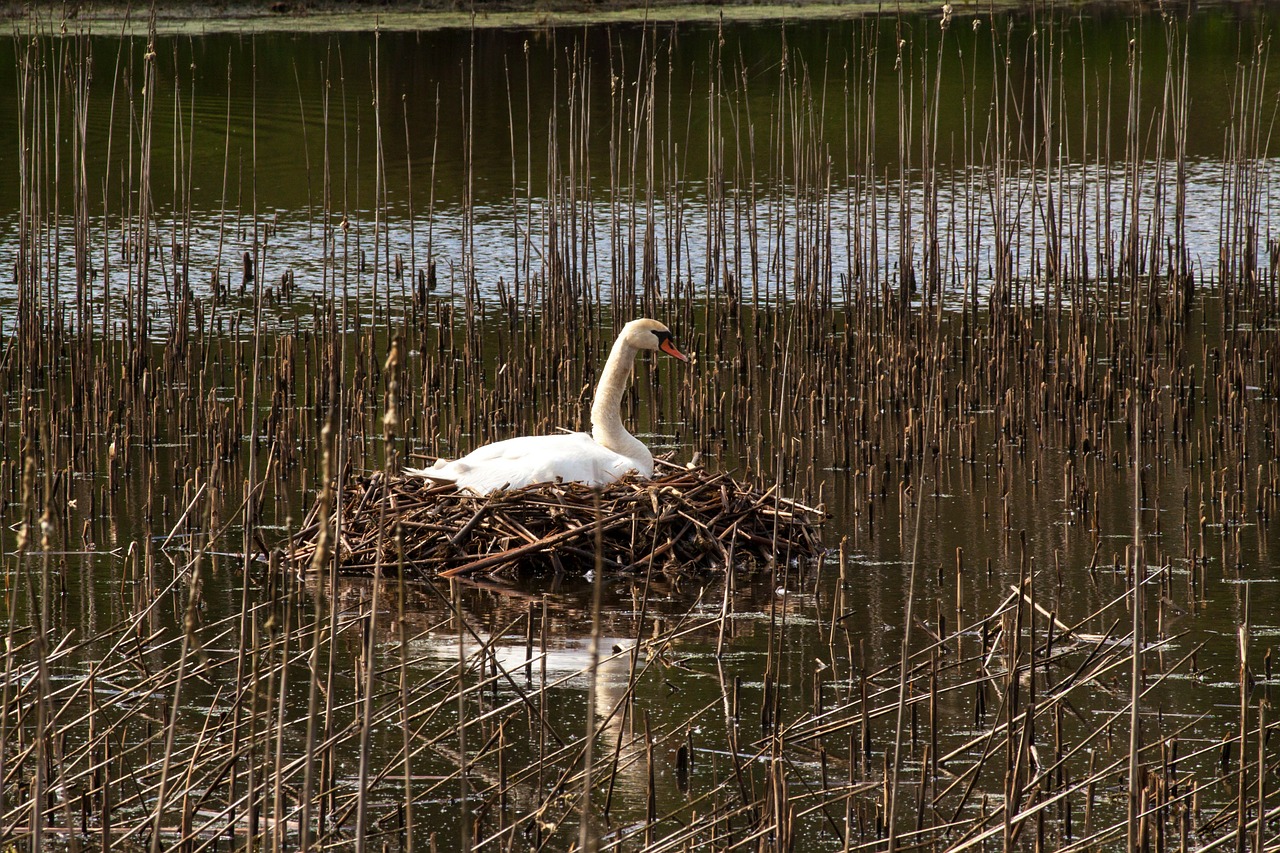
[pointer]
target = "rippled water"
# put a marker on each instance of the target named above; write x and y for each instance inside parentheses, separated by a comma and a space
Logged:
(269, 146)
(483, 242)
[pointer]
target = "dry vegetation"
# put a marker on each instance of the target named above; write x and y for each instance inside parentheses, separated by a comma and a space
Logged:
(1085, 349)
(685, 522)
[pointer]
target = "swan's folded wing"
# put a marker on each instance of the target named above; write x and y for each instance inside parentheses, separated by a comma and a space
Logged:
(436, 471)
(609, 470)
(519, 462)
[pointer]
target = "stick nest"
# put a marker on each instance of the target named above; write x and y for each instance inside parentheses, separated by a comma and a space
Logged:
(686, 522)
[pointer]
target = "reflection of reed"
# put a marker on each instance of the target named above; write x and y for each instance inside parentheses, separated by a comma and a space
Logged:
(1027, 357)
(540, 653)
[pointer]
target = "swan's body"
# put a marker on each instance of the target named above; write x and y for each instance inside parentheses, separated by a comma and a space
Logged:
(574, 457)
(596, 460)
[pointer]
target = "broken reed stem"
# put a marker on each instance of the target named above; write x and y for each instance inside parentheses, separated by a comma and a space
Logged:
(1137, 615)
(587, 838)
(687, 521)
(948, 334)
(908, 622)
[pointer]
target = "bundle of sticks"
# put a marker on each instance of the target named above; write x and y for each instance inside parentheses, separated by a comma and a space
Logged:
(686, 521)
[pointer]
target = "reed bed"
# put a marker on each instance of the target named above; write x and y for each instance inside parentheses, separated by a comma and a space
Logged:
(1012, 319)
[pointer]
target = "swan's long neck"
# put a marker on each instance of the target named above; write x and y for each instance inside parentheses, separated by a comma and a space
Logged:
(606, 411)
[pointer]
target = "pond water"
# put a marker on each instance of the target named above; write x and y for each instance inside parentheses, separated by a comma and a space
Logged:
(439, 145)
(977, 289)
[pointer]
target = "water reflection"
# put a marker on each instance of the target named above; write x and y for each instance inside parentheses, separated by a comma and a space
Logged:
(317, 173)
(1025, 507)
(844, 237)
(656, 666)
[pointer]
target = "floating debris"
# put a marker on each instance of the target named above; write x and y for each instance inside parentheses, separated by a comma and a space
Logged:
(686, 521)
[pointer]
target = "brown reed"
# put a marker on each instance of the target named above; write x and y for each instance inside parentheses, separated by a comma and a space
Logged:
(161, 426)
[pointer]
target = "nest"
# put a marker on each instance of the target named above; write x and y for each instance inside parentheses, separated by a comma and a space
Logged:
(687, 521)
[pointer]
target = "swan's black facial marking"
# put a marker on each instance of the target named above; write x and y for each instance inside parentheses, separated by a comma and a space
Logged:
(667, 343)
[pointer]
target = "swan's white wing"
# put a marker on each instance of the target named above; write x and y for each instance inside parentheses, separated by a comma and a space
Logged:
(518, 462)
(612, 466)
(432, 472)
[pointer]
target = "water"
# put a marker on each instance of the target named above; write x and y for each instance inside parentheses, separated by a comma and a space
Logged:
(521, 163)
(290, 132)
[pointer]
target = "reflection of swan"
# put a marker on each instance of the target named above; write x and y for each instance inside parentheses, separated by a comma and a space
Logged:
(602, 457)
(497, 659)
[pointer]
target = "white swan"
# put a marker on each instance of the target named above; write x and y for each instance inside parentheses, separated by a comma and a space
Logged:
(602, 457)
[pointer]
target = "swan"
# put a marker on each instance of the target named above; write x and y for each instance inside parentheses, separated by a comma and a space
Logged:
(605, 455)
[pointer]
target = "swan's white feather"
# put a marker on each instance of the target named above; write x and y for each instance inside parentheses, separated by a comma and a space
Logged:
(597, 459)
(517, 462)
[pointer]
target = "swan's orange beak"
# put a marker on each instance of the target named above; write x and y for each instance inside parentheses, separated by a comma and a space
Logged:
(668, 346)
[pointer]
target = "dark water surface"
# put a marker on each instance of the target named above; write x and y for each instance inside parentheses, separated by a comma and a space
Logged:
(777, 180)
(438, 144)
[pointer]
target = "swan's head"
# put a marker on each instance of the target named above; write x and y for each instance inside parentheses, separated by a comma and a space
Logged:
(651, 335)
